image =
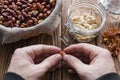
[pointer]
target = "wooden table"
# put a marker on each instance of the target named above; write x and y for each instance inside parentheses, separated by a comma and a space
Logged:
(7, 50)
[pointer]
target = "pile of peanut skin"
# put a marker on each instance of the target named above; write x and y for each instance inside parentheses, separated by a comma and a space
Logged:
(24, 13)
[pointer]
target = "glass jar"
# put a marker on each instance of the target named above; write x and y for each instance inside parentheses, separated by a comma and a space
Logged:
(112, 6)
(86, 19)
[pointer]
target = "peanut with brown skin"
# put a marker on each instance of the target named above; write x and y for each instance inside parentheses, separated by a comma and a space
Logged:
(48, 6)
(48, 12)
(30, 22)
(62, 53)
(24, 13)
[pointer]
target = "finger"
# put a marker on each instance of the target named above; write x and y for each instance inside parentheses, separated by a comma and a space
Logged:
(73, 62)
(37, 50)
(84, 49)
(48, 63)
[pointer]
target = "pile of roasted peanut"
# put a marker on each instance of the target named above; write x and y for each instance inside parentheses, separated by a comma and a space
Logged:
(24, 13)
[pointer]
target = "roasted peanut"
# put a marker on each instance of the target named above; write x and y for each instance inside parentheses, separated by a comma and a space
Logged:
(24, 13)
(62, 53)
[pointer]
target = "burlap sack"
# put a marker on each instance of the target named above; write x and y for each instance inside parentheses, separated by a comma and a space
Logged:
(8, 35)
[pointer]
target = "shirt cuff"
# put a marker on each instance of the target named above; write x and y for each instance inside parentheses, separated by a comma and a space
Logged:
(12, 76)
(109, 76)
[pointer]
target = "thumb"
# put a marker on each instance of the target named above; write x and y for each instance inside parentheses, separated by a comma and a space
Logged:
(49, 63)
(74, 62)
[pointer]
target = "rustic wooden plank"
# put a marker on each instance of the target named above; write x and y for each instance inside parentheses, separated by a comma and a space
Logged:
(48, 40)
(34, 40)
(66, 75)
(6, 51)
(5, 57)
(117, 65)
(1, 60)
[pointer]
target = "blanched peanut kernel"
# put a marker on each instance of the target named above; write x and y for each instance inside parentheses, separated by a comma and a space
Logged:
(85, 22)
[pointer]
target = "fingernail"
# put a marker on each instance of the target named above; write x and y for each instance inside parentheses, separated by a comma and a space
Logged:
(58, 56)
(66, 56)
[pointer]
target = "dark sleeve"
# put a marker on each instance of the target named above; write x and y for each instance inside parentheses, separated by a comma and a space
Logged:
(110, 76)
(12, 76)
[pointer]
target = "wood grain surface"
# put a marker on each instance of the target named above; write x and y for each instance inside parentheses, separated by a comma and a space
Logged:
(6, 50)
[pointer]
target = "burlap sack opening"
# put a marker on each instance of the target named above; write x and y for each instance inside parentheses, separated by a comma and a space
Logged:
(8, 35)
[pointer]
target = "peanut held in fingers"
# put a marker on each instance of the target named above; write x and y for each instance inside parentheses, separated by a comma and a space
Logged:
(62, 53)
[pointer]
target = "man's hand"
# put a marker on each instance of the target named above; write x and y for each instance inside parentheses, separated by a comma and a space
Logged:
(27, 61)
(89, 61)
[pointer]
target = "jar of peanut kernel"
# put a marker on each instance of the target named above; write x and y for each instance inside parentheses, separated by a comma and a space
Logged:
(85, 19)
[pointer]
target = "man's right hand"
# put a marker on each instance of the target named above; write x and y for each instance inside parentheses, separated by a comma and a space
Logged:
(100, 60)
